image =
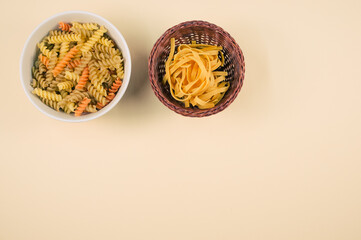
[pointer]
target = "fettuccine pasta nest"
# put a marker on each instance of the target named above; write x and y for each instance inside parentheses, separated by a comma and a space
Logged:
(192, 74)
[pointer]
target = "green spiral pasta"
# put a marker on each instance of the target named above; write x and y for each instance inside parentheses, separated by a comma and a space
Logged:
(47, 95)
(93, 92)
(84, 62)
(42, 68)
(53, 104)
(94, 38)
(39, 78)
(70, 37)
(75, 96)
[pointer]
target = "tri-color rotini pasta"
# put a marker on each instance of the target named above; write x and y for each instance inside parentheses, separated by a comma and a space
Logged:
(79, 69)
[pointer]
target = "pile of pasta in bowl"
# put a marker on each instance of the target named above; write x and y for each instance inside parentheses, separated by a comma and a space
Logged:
(78, 70)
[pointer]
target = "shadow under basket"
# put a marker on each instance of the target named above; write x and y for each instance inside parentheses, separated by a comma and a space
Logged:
(204, 33)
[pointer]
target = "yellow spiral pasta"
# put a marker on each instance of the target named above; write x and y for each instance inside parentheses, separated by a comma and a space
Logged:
(57, 33)
(120, 71)
(109, 50)
(67, 85)
(69, 107)
(86, 26)
(70, 37)
(64, 49)
(106, 42)
(110, 62)
(52, 62)
(72, 76)
(93, 39)
(47, 95)
(64, 93)
(83, 32)
(43, 49)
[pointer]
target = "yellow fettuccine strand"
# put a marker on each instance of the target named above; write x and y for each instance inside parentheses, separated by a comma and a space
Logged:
(192, 76)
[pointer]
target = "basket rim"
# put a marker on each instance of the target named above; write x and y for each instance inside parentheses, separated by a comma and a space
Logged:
(153, 78)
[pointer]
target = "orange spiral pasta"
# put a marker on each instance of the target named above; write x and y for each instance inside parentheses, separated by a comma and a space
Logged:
(116, 85)
(82, 105)
(83, 79)
(64, 26)
(44, 60)
(60, 66)
(74, 63)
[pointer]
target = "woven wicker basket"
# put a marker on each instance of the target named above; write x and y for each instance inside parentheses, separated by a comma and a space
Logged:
(205, 33)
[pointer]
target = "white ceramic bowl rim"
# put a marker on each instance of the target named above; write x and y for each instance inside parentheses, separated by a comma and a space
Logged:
(25, 68)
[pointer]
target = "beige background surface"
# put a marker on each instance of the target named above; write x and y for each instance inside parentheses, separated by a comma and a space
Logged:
(282, 162)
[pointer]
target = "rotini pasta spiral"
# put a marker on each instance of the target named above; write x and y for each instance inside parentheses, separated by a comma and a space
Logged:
(70, 37)
(64, 49)
(74, 63)
(69, 107)
(93, 92)
(51, 66)
(109, 50)
(86, 26)
(100, 55)
(44, 60)
(93, 39)
(43, 49)
(72, 76)
(81, 107)
(56, 47)
(54, 84)
(75, 96)
(34, 83)
(64, 26)
(84, 62)
(83, 79)
(67, 85)
(110, 62)
(64, 93)
(57, 33)
(83, 32)
(46, 94)
(51, 103)
(39, 78)
(60, 66)
(120, 71)
(42, 68)
(106, 42)
(91, 108)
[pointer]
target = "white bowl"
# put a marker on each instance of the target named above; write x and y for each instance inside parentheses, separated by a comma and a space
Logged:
(29, 56)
